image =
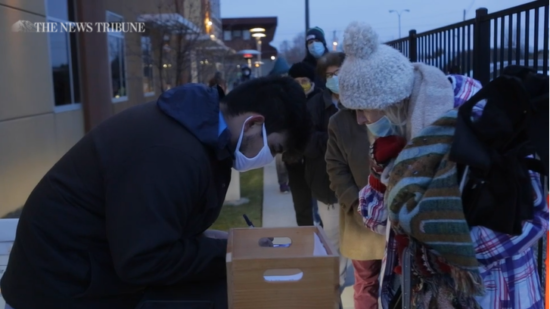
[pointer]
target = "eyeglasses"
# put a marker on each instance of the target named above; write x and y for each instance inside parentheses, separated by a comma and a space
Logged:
(332, 74)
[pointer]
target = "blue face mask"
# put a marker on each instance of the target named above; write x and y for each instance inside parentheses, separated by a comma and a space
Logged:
(316, 49)
(381, 128)
(332, 84)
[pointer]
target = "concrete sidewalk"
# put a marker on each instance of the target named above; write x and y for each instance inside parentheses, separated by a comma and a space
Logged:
(278, 211)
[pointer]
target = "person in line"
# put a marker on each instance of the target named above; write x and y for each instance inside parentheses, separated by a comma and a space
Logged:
(280, 68)
(347, 160)
(316, 46)
(304, 203)
(219, 83)
(321, 108)
(431, 254)
(123, 216)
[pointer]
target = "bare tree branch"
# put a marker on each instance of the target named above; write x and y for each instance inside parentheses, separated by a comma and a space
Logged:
(174, 40)
(295, 51)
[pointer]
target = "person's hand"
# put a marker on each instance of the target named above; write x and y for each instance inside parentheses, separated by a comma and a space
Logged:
(215, 234)
(386, 148)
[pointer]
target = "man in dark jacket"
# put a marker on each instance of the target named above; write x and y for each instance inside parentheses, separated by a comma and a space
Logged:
(321, 108)
(304, 204)
(316, 46)
(124, 214)
(280, 68)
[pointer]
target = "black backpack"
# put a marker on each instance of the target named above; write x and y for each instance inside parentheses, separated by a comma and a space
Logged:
(492, 151)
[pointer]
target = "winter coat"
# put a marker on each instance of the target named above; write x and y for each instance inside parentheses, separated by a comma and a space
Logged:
(347, 159)
(124, 210)
(320, 108)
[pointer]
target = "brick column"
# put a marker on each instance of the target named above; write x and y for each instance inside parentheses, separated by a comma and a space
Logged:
(94, 65)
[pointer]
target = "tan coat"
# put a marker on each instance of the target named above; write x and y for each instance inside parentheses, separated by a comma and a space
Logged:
(347, 159)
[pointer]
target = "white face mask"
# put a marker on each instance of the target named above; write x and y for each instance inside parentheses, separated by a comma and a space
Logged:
(263, 158)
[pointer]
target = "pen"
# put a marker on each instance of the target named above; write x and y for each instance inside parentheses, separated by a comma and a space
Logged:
(248, 222)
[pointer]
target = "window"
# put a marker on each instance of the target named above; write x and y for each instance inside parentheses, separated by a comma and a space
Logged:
(117, 60)
(147, 56)
(64, 55)
(246, 34)
(236, 34)
(227, 35)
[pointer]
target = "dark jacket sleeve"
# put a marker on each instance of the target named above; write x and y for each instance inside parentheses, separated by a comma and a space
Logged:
(317, 143)
(341, 178)
(149, 206)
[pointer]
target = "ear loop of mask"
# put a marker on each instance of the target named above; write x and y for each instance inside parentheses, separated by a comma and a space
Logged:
(264, 135)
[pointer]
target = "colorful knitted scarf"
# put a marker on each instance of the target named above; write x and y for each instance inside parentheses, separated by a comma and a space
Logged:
(425, 204)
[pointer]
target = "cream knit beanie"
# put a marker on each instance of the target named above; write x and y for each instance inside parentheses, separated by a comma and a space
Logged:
(374, 75)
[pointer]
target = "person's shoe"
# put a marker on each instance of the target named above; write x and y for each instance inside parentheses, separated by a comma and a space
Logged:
(284, 188)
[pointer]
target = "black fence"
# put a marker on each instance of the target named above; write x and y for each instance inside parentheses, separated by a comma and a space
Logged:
(481, 47)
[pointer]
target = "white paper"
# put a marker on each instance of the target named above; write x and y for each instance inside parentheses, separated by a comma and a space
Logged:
(318, 248)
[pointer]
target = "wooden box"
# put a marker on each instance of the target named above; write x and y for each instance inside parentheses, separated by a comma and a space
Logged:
(303, 274)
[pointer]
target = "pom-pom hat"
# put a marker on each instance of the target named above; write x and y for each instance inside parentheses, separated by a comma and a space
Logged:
(374, 75)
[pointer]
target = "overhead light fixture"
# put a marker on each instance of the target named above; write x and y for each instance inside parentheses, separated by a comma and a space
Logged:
(272, 57)
(257, 30)
(258, 35)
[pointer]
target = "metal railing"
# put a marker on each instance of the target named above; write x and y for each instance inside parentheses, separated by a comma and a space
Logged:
(481, 47)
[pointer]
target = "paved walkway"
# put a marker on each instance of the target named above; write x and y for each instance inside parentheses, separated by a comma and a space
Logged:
(278, 211)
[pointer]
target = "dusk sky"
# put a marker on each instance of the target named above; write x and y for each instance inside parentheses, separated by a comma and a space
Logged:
(335, 15)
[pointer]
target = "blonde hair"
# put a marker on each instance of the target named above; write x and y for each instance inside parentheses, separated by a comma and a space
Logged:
(397, 114)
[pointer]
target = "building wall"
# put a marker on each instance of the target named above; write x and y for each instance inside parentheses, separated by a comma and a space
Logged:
(33, 134)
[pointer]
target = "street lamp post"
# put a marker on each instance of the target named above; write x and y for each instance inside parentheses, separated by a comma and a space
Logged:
(259, 47)
(258, 34)
(399, 18)
(307, 15)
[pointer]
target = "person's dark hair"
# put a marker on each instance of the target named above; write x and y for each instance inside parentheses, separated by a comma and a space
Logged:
(280, 100)
(302, 69)
(329, 59)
